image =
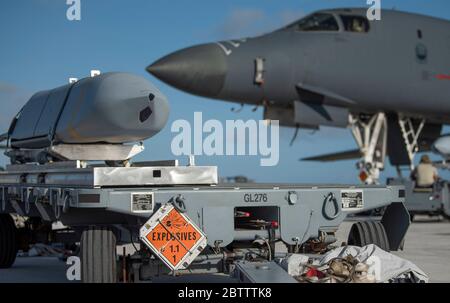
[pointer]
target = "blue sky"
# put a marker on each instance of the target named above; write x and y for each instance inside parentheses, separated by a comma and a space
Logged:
(41, 49)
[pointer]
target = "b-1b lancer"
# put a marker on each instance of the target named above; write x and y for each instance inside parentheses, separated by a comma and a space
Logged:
(388, 80)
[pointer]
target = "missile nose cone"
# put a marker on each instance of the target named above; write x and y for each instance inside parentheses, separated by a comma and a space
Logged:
(199, 70)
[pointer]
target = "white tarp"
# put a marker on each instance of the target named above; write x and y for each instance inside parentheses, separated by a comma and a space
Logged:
(384, 266)
(389, 266)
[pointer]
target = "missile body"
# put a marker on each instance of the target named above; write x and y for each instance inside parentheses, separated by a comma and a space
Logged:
(112, 108)
(442, 146)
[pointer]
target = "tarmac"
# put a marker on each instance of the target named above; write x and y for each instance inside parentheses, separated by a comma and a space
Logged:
(427, 245)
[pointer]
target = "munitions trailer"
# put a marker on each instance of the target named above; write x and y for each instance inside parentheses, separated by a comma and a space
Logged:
(239, 224)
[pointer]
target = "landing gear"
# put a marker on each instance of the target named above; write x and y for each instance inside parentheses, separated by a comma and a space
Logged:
(368, 232)
(370, 133)
(8, 241)
(411, 136)
(98, 256)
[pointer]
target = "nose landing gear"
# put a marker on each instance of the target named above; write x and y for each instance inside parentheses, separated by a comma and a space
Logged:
(370, 133)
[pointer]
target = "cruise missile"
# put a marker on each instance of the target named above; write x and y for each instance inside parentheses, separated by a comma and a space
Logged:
(442, 146)
(110, 109)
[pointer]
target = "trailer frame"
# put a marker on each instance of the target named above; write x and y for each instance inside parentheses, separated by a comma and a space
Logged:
(117, 201)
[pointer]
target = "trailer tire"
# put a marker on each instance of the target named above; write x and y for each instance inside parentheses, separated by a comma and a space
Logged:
(8, 241)
(98, 255)
(368, 232)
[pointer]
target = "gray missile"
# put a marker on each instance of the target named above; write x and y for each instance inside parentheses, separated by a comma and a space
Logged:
(112, 108)
(442, 146)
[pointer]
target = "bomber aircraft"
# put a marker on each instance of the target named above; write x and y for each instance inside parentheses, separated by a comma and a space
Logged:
(388, 80)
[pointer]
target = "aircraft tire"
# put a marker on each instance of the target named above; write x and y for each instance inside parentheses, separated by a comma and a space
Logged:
(368, 232)
(98, 256)
(8, 241)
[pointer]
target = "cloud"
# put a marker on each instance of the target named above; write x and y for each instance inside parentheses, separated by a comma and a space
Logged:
(246, 22)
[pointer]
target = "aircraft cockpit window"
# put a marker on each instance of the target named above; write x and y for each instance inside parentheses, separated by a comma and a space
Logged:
(316, 22)
(356, 24)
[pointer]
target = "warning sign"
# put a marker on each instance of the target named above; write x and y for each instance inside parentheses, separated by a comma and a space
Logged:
(352, 199)
(173, 237)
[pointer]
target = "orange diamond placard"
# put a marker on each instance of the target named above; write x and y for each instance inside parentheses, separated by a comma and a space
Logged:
(173, 237)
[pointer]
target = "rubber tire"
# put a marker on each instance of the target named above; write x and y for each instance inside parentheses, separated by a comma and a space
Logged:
(98, 256)
(8, 241)
(368, 232)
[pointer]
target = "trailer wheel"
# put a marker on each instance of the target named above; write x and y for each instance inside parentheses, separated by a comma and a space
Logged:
(368, 232)
(98, 256)
(8, 241)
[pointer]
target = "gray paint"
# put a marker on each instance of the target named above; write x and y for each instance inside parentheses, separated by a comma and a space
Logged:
(432, 201)
(103, 109)
(374, 71)
(206, 204)
(314, 114)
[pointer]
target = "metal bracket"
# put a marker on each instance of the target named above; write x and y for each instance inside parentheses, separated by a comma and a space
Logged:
(17, 207)
(27, 200)
(411, 136)
(67, 199)
(330, 198)
(40, 208)
(95, 152)
(55, 196)
(178, 203)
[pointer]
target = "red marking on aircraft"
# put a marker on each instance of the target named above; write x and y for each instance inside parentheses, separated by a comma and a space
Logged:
(443, 77)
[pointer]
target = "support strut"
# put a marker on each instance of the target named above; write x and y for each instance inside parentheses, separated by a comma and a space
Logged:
(370, 133)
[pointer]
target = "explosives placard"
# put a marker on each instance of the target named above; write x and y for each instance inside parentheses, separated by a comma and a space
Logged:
(173, 237)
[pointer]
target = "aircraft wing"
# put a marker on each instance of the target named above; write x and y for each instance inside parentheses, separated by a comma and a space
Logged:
(345, 155)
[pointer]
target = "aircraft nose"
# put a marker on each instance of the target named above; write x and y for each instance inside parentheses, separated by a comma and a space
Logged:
(198, 70)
